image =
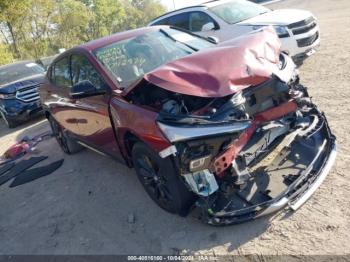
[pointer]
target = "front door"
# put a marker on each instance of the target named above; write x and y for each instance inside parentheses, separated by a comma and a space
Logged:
(95, 127)
(61, 105)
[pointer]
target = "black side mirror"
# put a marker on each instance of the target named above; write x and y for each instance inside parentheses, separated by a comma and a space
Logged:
(84, 89)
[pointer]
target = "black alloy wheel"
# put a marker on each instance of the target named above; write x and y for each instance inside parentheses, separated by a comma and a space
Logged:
(154, 181)
(67, 144)
(58, 134)
(161, 180)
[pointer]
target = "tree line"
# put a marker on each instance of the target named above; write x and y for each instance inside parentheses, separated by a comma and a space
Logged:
(31, 29)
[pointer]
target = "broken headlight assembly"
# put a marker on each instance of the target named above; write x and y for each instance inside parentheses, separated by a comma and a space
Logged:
(195, 148)
(181, 133)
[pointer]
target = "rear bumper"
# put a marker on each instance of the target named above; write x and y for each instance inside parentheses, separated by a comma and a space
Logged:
(295, 195)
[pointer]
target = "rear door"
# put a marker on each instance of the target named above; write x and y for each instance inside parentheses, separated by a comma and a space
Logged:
(95, 127)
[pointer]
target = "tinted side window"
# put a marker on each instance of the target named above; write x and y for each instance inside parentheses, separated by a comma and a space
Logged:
(83, 70)
(164, 21)
(180, 20)
(61, 73)
(198, 20)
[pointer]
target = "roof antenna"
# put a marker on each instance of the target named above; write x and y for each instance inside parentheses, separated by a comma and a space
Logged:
(174, 4)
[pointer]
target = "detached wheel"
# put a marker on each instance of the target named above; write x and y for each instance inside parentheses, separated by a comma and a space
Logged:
(67, 144)
(161, 181)
(8, 122)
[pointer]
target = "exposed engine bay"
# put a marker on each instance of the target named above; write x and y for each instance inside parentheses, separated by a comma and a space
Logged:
(258, 145)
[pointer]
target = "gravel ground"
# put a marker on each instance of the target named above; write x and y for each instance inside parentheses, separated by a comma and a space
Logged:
(93, 205)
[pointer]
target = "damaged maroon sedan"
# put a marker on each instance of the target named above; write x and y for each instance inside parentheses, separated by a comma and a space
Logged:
(225, 129)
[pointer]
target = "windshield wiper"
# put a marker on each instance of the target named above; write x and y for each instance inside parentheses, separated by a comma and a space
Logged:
(175, 40)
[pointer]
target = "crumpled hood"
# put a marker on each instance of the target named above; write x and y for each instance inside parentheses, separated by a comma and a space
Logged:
(226, 68)
(22, 83)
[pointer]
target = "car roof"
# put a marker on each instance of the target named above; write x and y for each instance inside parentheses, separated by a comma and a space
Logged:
(208, 4)
(216, 3)
(100, 42)
(177, 11)
(107, 40)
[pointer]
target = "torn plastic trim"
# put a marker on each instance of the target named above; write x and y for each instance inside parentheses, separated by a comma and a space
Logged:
(171, 150)
(202, 183)
(272, 208)
(297, 203)
(181, 133)
(295, 195)
(224, 159)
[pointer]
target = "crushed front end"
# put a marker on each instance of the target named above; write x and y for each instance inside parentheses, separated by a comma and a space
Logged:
(251, 142)
(252, 153)
(248, 154)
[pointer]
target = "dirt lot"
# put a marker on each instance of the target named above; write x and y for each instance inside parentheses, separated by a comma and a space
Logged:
(83, 207)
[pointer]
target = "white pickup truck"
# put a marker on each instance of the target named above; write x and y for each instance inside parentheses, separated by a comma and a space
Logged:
(227, 19)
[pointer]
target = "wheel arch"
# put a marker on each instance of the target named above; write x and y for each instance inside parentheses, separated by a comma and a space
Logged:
(129, 140)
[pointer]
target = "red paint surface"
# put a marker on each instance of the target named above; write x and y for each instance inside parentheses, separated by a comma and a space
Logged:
(224, 69)
(133, 119)
(215, 72)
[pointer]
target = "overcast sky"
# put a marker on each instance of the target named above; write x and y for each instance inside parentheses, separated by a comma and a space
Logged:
(180, 3)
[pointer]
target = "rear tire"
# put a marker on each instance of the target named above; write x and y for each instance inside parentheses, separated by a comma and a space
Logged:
(8, 122)
(67, 144)
(161, 180)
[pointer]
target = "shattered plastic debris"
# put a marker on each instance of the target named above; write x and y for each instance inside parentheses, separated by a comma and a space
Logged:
(26, 145)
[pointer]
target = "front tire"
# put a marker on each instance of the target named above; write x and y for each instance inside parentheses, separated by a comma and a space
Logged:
(8, 122)
(67, 144)
(161, 180)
